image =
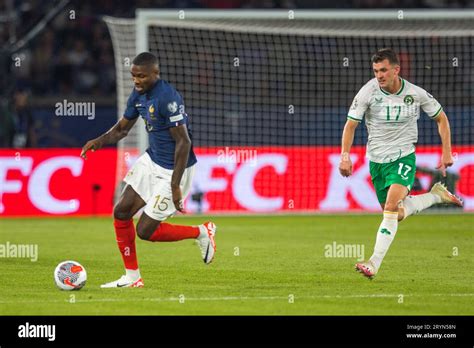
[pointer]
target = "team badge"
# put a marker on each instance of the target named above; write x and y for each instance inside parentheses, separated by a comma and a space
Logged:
(408, 100)
(173, 107)
(151, 111)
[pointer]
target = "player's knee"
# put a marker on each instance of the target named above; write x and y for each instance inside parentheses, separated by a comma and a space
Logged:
(391, 206)
(144, 232)
(121, 213)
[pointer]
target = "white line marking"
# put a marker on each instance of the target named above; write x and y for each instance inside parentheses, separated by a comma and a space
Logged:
(239, 298)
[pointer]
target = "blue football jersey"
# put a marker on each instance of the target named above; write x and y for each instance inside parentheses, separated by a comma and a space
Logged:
(161, 108)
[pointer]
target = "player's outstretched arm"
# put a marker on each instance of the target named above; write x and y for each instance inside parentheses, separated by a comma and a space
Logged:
(112, 136)
(345, 166)
(181, 154)
(445, 134)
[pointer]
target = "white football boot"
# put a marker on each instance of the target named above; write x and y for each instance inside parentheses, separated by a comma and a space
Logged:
(206, 241)
(124, 282)
(446, 197)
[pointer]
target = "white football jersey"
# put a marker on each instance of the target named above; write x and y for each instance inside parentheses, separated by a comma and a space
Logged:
(391, 119)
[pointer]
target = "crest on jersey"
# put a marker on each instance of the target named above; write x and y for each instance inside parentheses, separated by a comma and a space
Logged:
(151, 111)
(173, 107)
(408, 100)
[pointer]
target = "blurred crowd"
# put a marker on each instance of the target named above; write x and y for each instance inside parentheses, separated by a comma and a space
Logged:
(75, 56)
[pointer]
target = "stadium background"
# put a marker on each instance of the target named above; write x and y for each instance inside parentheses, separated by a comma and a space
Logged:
(73, 60)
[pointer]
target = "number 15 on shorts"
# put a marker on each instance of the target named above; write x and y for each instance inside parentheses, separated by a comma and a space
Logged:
(163, 205)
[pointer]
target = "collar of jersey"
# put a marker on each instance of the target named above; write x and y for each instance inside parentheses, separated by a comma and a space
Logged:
(399, 91)
(148, 93)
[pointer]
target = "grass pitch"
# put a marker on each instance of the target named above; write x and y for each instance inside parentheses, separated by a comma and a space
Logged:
(275, 265)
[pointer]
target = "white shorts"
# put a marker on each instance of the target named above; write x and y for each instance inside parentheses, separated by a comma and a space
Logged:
(153, 184)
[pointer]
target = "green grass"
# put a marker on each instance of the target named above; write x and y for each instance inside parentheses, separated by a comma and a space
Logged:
(279, 257)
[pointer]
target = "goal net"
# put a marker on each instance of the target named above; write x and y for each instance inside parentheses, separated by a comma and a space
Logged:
(268, 94)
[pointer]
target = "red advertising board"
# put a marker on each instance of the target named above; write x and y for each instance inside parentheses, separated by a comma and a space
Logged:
(269, 179)
(56, 182)
(243, 179)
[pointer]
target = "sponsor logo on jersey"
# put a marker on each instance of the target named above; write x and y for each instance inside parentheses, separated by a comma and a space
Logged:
(408, 100)
(378, 100)
(148, 125)
(176, 118)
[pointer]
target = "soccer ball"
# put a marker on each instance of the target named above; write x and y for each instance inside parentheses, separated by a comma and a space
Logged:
(70, 275)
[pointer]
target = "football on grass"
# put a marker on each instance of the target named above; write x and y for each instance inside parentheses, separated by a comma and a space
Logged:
(70, 275)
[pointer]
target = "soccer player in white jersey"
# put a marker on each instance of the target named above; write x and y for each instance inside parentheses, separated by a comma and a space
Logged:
(391, 106)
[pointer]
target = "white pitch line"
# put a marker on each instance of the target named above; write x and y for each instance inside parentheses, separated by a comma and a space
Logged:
(240, 298)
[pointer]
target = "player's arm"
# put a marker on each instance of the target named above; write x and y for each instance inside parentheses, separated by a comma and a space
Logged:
(181, 154)
(445, 134)
(112, 136)
(355, 115)
(345, 166)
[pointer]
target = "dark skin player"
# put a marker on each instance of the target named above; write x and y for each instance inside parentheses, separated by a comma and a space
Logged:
(144, 77)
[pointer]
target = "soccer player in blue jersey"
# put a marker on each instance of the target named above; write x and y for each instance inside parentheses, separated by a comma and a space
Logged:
(161, 178)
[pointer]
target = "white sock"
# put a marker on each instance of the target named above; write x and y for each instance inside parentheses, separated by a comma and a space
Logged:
(133, 274)
(385, 234)
(415, 204)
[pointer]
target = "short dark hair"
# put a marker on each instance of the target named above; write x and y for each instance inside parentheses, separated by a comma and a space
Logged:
(145, 58)
(386, 53)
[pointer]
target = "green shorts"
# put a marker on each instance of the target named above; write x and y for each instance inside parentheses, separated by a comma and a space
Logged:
(402, 172)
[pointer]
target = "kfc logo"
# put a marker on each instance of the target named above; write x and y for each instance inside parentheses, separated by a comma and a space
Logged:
(39, 180)
(58, 182)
